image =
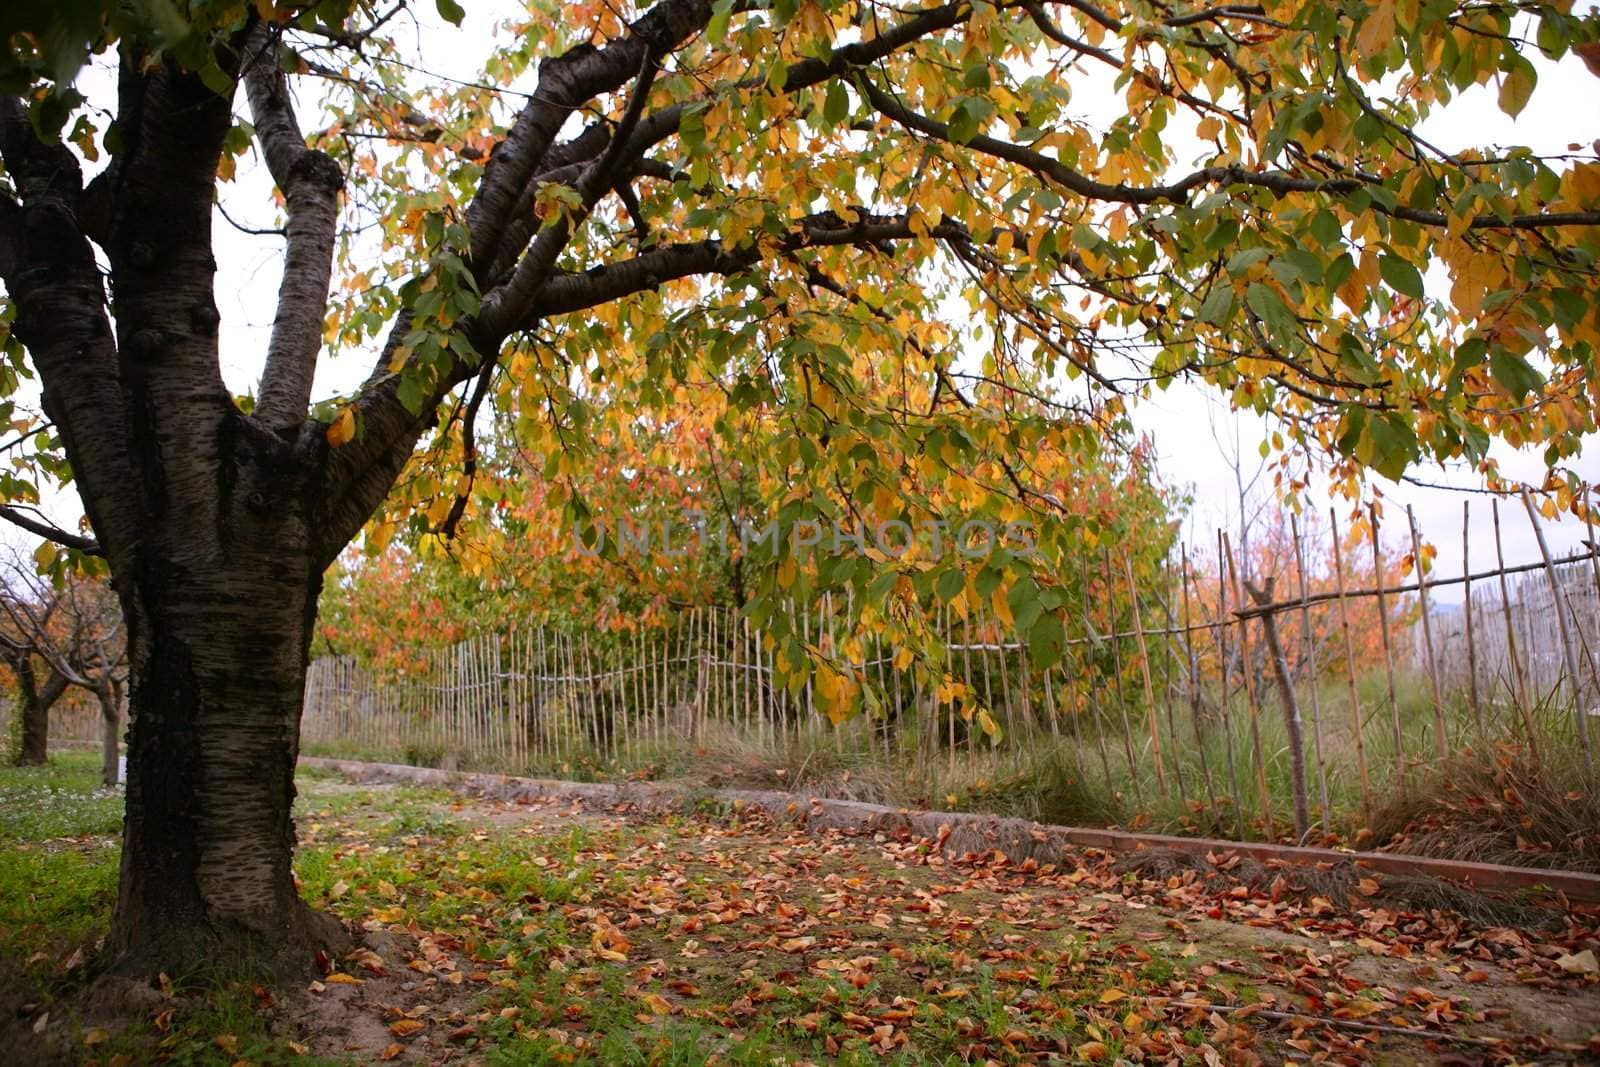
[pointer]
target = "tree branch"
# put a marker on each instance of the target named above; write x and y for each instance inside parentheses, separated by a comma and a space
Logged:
(1276, 182)
(50, 273)
(500, 307)
(50, 531)
(310, 182)
(565, 83)
(566, 293)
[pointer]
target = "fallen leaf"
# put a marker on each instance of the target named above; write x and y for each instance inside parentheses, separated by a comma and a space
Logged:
(1579, 963)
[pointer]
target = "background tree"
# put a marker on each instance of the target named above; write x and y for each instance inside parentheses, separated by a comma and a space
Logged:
(56, 636)
(798, 201)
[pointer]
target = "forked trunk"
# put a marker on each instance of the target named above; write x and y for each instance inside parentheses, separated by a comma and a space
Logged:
(218, 668)
(33, 708)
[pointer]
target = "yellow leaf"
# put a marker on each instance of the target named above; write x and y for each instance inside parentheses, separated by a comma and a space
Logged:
(342, 430)
(1515, 88)
(990, 727)
(1002, 607)
(1377, 31)
(406, 1027)
(1584, 181)
(340, 978)
(657, 1004)
(1111, 996)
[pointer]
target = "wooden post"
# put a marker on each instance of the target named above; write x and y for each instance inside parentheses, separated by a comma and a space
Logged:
(1520, 697)
(1442, 743)
(1594, 571)
(988, 686)
(1220, 635)
(1350, 670)
(1195, 712)
(1291, 707)
(1268, 823)
(944, 615)
(1472, 644)
(971, 715)
(1574, 684)
(1005, 687)
(1388, 655)
(1169, 609)
(1311, 675)
(1144, 671)
(1116, 664)
(1089, 686)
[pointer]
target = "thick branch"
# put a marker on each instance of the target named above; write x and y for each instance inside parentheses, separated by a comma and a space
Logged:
(310, 181)
(501, 307)
(566, 82)
(574, 292)
(50, 273)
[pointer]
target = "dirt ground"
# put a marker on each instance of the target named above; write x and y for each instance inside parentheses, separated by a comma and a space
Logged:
(1271, 972)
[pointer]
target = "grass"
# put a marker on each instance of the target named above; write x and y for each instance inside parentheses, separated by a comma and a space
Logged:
(58, 861)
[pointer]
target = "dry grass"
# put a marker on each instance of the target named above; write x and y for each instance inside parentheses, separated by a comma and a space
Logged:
(1502, 806)
(1341, 884)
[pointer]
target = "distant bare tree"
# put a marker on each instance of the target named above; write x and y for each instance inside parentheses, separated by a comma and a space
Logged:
(53, 638)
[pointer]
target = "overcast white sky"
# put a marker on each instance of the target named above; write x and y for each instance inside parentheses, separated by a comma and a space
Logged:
(1564, 108)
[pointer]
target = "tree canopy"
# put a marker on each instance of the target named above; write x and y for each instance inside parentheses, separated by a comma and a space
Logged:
(885, 243)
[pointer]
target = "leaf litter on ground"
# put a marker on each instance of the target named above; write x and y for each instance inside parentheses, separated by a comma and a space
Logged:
(500, 932)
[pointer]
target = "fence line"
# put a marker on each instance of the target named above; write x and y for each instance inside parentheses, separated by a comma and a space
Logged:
(1385, 701)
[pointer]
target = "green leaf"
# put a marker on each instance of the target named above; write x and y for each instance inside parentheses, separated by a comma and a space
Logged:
(1515, 373)
(836, 108)
(950, 585)
(1240, 262)
(1269, 306)
(1218, 305)
(451, 11)
(1393, 445)
(717, 28)
(1401, 276)
(1046, 640)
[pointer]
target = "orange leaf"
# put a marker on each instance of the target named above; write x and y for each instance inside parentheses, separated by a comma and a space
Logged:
(342, 430)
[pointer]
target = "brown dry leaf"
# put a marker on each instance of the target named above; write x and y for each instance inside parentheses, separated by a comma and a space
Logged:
(407, 1027)
(1093, 1051)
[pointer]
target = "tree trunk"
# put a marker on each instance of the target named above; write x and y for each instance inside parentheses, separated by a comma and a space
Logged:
(33, 706)
(33, 747)
(218, 644)
(110, 696)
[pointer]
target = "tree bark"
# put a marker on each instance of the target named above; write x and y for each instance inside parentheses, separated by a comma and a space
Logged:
(110, 697)
(33, 706)
(218, 661)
